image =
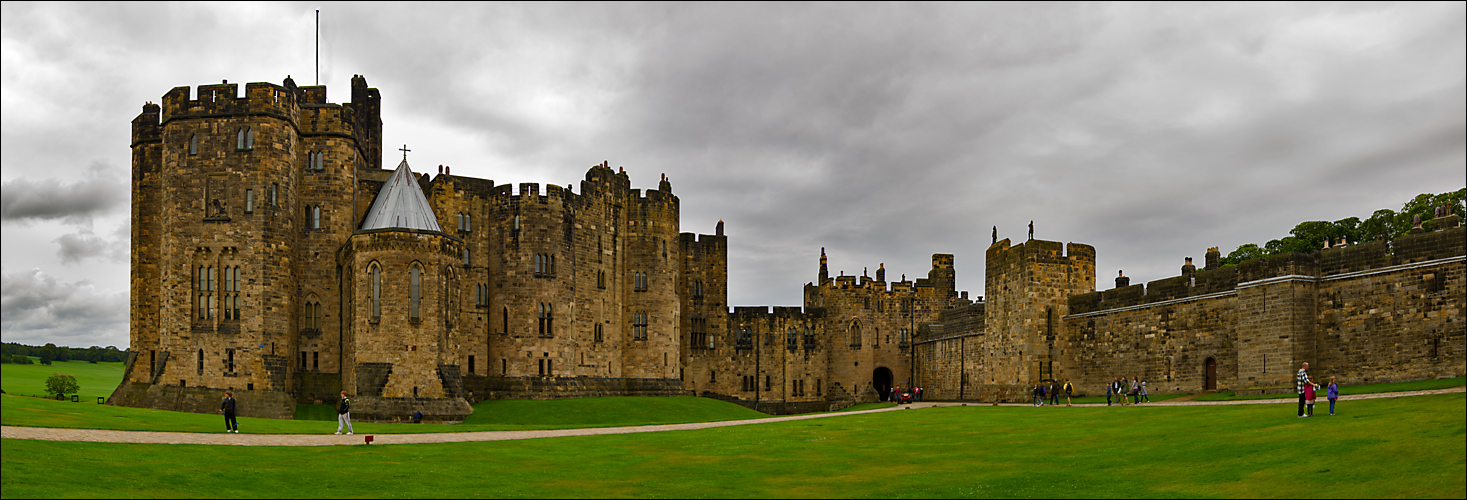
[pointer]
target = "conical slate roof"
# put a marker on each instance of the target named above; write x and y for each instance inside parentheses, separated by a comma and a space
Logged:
(401, 204)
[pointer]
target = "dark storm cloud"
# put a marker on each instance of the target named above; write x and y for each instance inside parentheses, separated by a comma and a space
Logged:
(883, 132)
(98, 190)
(38, 308)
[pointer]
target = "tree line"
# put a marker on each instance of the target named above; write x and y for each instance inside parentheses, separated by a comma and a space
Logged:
(11, 352)
(1383, 225)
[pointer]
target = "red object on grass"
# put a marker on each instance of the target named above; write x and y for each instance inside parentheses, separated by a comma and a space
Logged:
(369, 439)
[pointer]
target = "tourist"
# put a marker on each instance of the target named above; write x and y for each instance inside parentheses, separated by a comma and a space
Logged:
(343, 414)
(1144, 396)
(1333, 393)
(1136, 390)
(1069, 392)
(917, 393)
(1053, 393)
(1038, 395)
(1301, 379)
(1109, 389)
(1309, 399)
(1121, 389)
(227, 408)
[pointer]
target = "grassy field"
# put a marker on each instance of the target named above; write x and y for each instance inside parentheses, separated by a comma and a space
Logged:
(1346, 390)
(504, 415)
(95, 379)
(1398, 447)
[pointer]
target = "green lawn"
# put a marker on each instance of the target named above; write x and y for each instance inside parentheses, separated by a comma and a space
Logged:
(1397, 447)
(95, 379)
(499, 415)
(1346, 390)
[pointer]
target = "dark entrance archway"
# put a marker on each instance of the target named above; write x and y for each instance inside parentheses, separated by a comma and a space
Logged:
(881, 381)
(1209, 380)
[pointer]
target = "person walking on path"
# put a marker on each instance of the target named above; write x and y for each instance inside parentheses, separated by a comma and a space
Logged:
(1109, 389)
(1054, 393)
(227, 408)
(917, 393)
(1333, 393)
(343, 414)
(1144, 396)
(1136, 390)
(1069, 392)
(1121, 390)
(1301, 380)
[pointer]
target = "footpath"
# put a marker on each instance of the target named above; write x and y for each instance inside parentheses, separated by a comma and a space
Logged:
(150, 437)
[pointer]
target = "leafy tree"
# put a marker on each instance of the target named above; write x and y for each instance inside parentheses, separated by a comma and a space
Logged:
(1245, 252)
(46, 357)
(60, 383)
(4, 358)
(1382, 225)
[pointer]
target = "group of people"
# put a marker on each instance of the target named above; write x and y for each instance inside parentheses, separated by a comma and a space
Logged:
(895, 393)
(1123, 388)
(343, 413)
(1051, 392)
(1306, 388)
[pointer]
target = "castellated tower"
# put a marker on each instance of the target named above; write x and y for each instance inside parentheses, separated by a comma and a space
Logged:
(240, 202)
(1028, 287)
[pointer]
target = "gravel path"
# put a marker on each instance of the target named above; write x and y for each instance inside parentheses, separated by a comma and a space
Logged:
(108, 436)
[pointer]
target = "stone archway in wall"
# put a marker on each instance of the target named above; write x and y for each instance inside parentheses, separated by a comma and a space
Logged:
(881, 379)
(1209, 374)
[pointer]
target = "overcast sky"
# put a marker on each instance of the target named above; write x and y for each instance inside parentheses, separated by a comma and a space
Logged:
(884, 133)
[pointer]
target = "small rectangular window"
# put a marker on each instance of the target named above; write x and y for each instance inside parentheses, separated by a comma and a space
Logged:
(471, 363)
(274, 195)
(315, 360)
(249, 200)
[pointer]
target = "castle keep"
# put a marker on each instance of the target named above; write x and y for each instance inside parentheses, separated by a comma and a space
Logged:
(275, 256)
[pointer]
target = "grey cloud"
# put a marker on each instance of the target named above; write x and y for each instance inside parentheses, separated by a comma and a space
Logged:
(99, 190)
(38, 308)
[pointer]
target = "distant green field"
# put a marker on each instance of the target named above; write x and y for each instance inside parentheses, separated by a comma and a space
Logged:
(1346, 390)
(488, 416)
(1398, 447)
(95, 379)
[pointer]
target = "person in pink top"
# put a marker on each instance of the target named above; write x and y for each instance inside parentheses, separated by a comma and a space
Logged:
(1309, 399)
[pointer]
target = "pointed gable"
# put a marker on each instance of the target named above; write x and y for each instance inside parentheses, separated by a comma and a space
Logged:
(401, 204)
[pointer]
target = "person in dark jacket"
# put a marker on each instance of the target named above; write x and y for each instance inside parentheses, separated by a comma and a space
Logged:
(343, 414)
(227, 408)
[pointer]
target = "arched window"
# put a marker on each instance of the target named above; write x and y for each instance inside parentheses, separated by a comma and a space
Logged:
(376, 292)
(239, 140)
(416, 277)
(791, 339)
(856, 334)
(316, 217)
(639, 326)
(193, 145)
(249, 138)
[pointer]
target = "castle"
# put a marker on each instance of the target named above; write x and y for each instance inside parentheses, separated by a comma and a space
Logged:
(274, 256)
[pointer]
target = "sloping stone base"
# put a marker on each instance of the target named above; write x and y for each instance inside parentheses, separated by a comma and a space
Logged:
(479, 388)
(259, 404)
(380, 409)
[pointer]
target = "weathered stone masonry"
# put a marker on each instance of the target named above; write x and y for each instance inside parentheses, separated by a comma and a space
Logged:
(253, 271)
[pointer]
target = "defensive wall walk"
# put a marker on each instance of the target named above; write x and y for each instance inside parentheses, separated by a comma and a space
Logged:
(152, 437)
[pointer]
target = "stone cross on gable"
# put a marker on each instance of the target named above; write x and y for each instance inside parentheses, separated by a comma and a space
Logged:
(404, 150)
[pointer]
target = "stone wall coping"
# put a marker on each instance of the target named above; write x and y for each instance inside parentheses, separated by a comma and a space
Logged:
(1356, 274)
(1271, 281)
(947, 338)
(1153, 304)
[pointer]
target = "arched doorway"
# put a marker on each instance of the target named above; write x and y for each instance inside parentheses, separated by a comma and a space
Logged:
(881, 381)
(1209, 377)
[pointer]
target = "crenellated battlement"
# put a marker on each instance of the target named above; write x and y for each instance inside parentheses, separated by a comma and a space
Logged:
(223, 99)
(1320, 264)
